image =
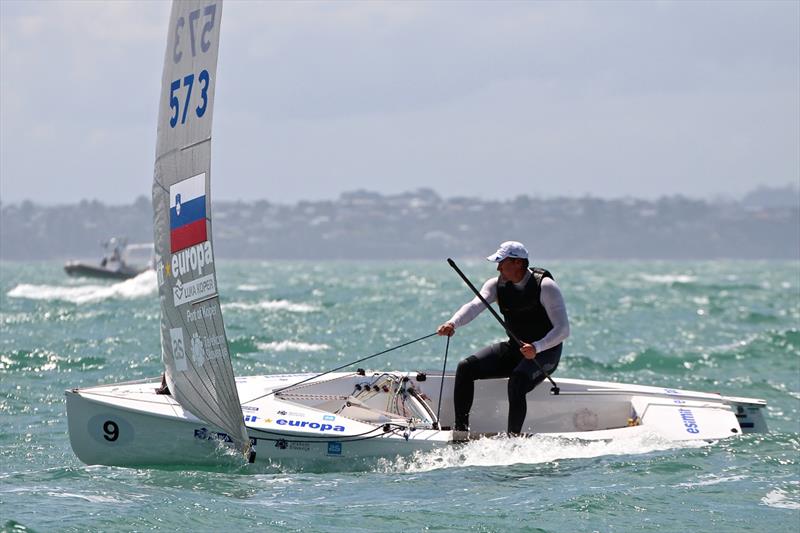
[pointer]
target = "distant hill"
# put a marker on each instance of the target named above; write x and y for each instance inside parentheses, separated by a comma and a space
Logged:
(422, 225)
(767, 197)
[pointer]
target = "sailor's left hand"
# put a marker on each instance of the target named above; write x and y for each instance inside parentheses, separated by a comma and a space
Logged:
(528, 351)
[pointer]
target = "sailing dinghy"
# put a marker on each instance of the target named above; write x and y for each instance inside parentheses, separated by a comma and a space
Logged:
(305, 417)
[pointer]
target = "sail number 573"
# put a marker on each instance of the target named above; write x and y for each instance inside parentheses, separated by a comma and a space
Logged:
(192, 36)
(194, 32)
(179, 108)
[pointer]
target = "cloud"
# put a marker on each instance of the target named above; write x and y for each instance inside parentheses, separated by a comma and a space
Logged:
(481, 98)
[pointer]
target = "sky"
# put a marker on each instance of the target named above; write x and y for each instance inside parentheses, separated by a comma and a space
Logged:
(479, 99)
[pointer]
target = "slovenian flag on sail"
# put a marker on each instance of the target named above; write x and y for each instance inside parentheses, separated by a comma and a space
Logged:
(187, 213)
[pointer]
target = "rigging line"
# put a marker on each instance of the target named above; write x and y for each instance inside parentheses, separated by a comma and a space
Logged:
(441, 383)
(131, 382)
(320, 396)
(275, 391)
(118, 396)
(424, 404)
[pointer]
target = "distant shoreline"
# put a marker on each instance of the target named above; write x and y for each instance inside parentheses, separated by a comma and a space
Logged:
(421, 225)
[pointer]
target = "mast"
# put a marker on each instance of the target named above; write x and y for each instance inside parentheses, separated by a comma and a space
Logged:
(194, 346)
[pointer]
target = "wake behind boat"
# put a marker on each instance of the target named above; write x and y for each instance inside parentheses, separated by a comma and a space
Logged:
(120, 261)
(310, 417)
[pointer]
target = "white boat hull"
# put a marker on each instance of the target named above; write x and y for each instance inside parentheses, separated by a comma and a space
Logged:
(336, 419)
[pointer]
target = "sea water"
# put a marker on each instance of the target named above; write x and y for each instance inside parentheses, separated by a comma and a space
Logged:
(729, 327)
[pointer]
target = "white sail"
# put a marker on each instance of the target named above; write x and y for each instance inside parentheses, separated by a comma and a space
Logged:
(194, 346)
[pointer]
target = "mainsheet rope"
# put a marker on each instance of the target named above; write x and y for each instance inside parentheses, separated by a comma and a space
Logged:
(275, 391)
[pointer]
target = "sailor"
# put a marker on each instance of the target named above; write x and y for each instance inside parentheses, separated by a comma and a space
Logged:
(534, 311)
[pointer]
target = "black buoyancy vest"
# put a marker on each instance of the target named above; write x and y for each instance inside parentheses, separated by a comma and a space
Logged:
(522, 309)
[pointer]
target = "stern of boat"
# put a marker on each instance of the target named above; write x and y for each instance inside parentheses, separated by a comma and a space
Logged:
(749, 412)
(603, 410)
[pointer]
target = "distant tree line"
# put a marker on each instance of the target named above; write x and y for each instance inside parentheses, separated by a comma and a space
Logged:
(422, 225)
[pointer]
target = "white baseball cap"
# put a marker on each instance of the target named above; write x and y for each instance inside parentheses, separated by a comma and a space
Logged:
(513, 249)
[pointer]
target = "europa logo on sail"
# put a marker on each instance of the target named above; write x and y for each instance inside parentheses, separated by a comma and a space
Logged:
(187, 212)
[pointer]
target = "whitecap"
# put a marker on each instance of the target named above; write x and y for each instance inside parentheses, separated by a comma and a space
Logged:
(669, 278)
(780, 499)
(273, 305)
(249, 288)
(711, 480)
(142, 285)
(283, 346)
(91, 498)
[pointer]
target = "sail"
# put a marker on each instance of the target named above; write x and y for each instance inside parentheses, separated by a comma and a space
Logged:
(194, 346)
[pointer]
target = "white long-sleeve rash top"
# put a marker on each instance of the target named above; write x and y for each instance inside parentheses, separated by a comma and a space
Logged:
(550, 298)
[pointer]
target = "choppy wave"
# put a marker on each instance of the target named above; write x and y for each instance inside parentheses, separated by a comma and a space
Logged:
(712, 480)
(242, 344)
(782, 499)
(249, 287)
(678, 359)
(284, 346)
(43, 360)
(142, 285)
(650, 359)
(533, 450)
(669, 279)
(747, 344)
(273, 305)
(92, 498)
